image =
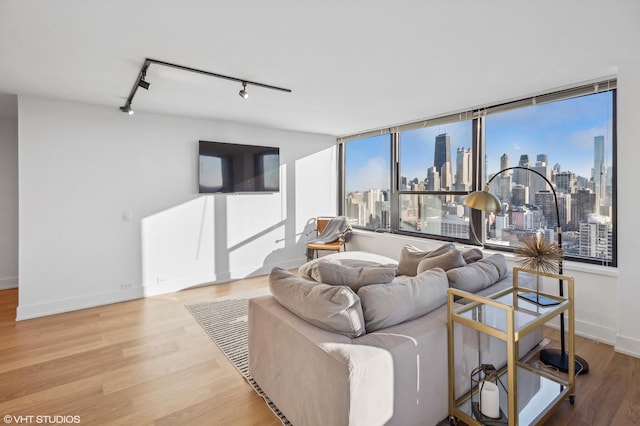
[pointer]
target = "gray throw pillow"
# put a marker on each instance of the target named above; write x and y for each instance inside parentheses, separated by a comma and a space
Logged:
(478, 275)
(332, 308)
(472, 255)
(411, 256)
(450, 260)
(385, 305)
(355, 277)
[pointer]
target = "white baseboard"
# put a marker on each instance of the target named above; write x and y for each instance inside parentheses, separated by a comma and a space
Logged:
(622, 344)
(628, 346)
(75, 303)
(153, 289)
(9, 282)
(590, 331)
(596, 332)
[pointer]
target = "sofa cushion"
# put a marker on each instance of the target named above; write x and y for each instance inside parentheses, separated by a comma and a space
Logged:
(446, 261)
(385, 305)
(411, 256)
(478, 275)
(355, 277)
(350, 258)
(472, 255)
(332, 308)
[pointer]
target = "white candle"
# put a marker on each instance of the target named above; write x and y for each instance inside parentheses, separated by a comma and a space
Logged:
(489, 400)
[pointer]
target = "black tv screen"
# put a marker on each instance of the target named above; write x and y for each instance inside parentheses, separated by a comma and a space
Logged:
(228, 167)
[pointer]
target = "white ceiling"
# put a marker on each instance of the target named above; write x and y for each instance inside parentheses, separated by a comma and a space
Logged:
(352, 65)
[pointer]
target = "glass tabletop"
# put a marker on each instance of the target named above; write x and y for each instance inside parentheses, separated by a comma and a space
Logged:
(525, 311)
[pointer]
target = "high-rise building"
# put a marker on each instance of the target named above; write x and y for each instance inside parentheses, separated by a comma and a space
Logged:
(442, 161)
(356, 209)
(599, 169)
(501, 186)
(583, 204)
(433, 179)
(595, 237)
(536, 183)
(519, 195)
(504, 163)
(521, 177)
(403, 183)
(542, 160)
(566, 182)
(463, 169)
(522, 218)
(546, 202)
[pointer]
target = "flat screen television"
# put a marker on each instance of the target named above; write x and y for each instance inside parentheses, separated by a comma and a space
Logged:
(229, 167)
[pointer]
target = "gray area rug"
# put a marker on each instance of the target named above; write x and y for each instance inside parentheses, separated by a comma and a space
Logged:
(225, 321)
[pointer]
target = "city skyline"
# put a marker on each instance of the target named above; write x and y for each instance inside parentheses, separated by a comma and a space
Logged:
(563, 130)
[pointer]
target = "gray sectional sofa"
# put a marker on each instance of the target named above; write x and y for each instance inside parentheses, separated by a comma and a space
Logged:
(327, 354)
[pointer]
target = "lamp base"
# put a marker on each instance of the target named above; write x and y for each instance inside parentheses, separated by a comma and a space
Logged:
(556, 358)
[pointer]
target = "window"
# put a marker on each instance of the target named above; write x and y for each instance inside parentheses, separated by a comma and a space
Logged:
(570, 143)
(436, 172)
(367, 182)
(412, 179)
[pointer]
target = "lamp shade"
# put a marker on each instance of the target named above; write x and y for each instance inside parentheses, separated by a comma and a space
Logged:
(483, 200)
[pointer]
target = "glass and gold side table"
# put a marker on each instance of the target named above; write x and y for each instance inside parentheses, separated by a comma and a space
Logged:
(508, 317)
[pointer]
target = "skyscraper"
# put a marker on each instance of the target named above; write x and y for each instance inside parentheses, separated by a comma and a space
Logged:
(504, 163)
(442, 160)
(536, 183)
(433, 179)
(542, 160)
(599, 169)
(463, 169)
(521, 177)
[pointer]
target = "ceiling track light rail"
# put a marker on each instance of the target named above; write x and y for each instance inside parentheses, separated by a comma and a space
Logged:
(141, 81)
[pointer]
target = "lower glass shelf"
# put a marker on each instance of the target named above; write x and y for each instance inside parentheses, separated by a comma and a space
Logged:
(536, 395)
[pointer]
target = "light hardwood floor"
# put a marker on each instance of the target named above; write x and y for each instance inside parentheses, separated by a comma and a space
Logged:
(148, 362)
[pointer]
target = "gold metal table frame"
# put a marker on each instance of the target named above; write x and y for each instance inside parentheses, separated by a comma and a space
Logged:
(522, 317)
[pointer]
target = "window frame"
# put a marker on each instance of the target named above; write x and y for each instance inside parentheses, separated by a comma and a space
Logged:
(478, 120)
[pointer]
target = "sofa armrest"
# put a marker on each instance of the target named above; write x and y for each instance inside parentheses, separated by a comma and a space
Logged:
(315, 376)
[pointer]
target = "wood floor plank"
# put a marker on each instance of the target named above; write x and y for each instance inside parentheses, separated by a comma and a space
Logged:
(148, 362)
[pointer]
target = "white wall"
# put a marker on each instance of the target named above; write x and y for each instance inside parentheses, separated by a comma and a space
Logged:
(628, 338)
(109, 208)
(8, 203)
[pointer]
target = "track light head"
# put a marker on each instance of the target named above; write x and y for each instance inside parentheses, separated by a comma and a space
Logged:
(141, 82)
(243, 93)
(127, 109)
(145, 85)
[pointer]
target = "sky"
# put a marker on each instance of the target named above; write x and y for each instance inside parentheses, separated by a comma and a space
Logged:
(563, 130)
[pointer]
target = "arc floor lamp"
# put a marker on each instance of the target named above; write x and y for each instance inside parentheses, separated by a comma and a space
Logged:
(488, 202)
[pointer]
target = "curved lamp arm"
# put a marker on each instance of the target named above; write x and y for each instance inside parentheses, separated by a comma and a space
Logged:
(485, 201)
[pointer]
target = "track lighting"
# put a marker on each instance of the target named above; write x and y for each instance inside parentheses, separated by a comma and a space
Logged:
(243, 93)
(145, 85)
(141, 82)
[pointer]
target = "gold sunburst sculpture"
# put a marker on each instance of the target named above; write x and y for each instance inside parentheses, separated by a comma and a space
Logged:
(539, 254)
